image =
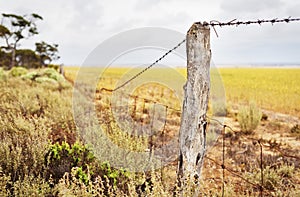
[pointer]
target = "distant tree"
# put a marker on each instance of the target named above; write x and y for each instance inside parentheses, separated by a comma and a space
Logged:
(47, 52)
(4, 31)
(5, 59)
(27, 58)
(15, 28)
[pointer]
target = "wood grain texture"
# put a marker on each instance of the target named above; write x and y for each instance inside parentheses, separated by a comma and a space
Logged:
(192, 139)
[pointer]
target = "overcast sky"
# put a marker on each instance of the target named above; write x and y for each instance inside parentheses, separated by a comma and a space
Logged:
(79, 26)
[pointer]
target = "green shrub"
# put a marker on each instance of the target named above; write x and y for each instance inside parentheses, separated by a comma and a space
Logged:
(83, 176)
(49, 75)
(52, 74)
(18, 71)
(249, 118)
(45, 80)
(61, 158)
(31, 75)
(79, 161)
(114, 175)
(54, 66)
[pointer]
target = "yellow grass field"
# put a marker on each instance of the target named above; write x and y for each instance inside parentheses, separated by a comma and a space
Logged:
(275, 89)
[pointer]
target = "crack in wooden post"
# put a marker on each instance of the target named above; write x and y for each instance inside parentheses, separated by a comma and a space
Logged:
(192, 137)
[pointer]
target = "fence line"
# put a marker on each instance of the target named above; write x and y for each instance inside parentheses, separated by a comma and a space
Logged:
(235, 22)
(213, 24)
(139, 98)
(263, 190)
(261, 185)
(230, 170)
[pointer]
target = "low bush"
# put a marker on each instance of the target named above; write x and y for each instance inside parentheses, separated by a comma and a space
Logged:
(79, 161)
(31, 75)
(52, 74)
(18, 71)
(46, 75)
(249, 118)
(61, 158)
(274, 179)
(28, 113)
(32, 186)
(45, 80)
(54, 66)
(219, 109)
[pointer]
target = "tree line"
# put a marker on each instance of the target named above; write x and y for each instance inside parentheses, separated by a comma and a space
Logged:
(13, 30)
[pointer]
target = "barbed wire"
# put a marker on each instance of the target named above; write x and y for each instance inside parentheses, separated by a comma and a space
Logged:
(261, 187)
(234, 22)
(212, 23)
(147, 68)
(141, 98)
(224, 167)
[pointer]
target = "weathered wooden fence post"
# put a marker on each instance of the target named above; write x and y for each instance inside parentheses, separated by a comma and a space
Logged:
(192, 137)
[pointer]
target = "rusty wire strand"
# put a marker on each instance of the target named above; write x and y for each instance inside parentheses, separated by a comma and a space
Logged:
(144, 99)
(255, 139)
(235, 22)
(212, 23)
(261, 187)
(147, 68)
(237, 175)
(231, 171)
